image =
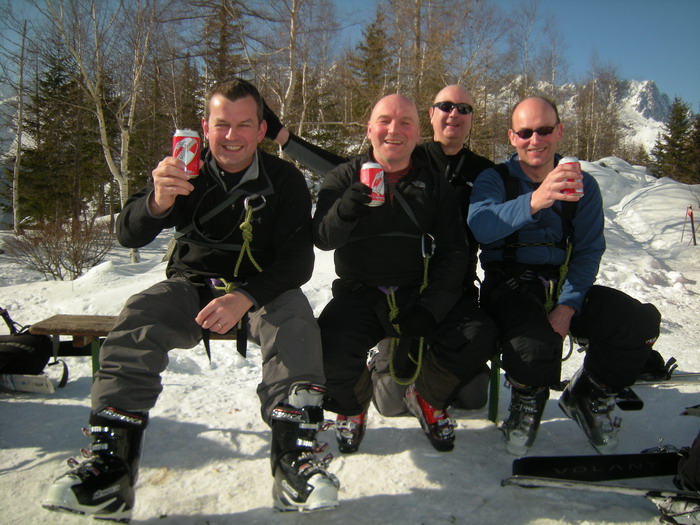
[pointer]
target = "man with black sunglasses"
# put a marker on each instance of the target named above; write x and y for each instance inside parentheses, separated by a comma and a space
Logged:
(540, 227)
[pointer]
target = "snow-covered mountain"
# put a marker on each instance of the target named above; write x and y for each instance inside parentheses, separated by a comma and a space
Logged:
(643, 111)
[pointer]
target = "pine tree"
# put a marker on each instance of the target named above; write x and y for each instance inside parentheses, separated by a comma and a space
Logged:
(672, 153)
(372, 66)
(61, 172)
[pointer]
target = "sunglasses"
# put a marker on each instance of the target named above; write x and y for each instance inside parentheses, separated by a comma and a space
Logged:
(447, 107)
(542, 132)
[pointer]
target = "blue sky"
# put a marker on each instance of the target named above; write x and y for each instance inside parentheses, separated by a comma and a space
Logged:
(655, 40)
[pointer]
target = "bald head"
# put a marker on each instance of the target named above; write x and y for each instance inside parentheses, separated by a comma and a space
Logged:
(451, 128)
(393, 131)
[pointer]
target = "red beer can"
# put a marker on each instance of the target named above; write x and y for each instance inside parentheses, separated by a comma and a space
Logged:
(372, 174)
(187, 147)
(570, 160)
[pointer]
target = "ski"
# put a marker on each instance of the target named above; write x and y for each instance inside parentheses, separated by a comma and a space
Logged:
(673, 504)
(674, 378)
(41, 384)
(598, 467)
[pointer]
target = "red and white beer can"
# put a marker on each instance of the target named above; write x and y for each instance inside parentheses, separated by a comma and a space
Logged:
(570, 160)
(372, 174)
(187, 147)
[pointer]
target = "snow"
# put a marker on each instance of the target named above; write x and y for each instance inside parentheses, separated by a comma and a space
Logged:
(206, 455)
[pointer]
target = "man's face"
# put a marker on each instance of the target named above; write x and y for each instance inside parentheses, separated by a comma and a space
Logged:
(537, 151)
(393, 131)
(233, 131)
(451, 127)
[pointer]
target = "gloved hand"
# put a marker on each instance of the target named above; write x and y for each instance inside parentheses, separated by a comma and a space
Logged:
(273, 122)
(416, 322)
(354, 202)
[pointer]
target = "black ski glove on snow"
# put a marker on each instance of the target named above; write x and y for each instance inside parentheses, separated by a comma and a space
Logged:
(353, 203)
(273, 122)
(416, 322)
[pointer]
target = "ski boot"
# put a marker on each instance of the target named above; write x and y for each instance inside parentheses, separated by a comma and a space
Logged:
(103, 484)
(301, 480)
(349, 431)
(526, 408)
(436, 423)
(591, 405)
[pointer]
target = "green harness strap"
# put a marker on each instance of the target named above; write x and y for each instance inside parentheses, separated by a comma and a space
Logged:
(247, 229)
(393, 313)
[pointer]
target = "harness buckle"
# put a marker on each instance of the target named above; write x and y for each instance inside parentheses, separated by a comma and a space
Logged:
(427, 245)
(249, 198)
(527, 275)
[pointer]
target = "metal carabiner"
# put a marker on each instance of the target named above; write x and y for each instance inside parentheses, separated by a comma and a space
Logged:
(246, 202)
(427, 245)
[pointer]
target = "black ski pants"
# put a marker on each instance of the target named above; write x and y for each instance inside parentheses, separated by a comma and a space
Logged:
(620, 331)
(357, 319)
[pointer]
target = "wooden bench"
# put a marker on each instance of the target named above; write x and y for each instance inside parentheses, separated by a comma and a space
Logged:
(87, 333)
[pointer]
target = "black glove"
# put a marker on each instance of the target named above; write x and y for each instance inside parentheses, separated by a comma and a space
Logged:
(416, 322)
(273, 122)
(354, 202)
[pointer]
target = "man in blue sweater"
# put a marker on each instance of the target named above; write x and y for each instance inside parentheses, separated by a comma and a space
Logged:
(540, 227)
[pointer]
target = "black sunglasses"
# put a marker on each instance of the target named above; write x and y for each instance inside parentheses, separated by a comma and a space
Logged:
(463, 108)
(542, 132)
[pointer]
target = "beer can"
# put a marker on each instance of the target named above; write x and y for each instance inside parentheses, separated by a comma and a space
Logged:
(187, 147)
(570, 160)
(372, 174)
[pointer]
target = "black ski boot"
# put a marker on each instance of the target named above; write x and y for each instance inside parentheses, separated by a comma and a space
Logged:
(103, 484)
(591, 405)
(526, 408)
(301, 480)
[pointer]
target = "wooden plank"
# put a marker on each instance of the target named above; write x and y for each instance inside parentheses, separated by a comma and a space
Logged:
(87, 326)
(76, 325)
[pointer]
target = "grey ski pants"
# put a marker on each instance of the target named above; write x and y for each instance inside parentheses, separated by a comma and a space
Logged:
(161, 318)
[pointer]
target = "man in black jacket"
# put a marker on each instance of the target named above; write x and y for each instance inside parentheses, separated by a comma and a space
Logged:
(451, 118)
(401, 267)
(218, 278)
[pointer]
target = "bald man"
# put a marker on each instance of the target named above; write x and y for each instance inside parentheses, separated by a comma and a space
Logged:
(383, 289)
(540, 227)
(451, 116)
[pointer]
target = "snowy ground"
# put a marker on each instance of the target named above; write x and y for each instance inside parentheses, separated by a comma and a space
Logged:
(206, 454)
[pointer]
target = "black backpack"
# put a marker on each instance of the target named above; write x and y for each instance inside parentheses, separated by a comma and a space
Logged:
(24, 353)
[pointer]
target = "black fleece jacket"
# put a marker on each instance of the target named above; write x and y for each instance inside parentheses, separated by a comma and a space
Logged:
(282, 240)
(383, 248)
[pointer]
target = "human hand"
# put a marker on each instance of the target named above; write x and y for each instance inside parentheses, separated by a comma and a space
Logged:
(555, 185)
(354, 202)
(416, 322)
(560, 319)
(169, 180)
(223, 313)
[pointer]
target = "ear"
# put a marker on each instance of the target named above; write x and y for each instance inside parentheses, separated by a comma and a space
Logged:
(205, 128)
(559, 131)
(512, 137)
(262, 131)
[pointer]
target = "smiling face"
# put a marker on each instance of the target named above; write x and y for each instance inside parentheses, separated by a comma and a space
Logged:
(393, 131)
(233, 130)
(536, 154)
(451, 128)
